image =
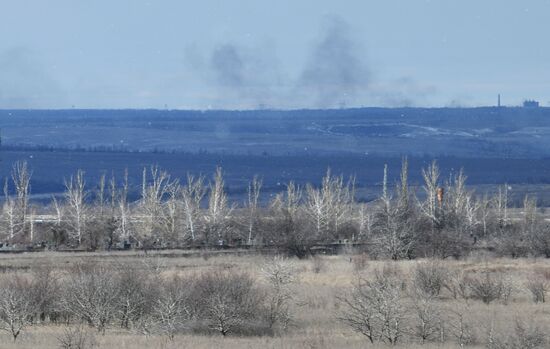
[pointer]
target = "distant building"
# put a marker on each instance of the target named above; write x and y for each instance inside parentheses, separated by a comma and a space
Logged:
(530, 104)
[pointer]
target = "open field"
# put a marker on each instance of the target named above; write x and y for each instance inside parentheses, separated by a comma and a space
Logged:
(315, 310)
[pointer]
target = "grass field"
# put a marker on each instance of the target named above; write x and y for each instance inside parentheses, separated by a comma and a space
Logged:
(316, 308)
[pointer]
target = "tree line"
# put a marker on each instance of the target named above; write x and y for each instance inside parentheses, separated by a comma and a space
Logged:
(443, 219)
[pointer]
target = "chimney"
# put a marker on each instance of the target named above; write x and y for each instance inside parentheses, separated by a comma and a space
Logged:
(440, 194)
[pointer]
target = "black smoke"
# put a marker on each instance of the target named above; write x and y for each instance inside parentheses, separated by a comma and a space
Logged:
(335, 71)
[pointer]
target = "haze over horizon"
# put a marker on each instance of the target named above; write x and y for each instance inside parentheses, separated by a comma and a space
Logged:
(284, 55)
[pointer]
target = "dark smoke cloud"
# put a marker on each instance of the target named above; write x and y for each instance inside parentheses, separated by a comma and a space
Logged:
(228, 66)
(24, 81)
(248, 76)
(335, 71)
(335, 74)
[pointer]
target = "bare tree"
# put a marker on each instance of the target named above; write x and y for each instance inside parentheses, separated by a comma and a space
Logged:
(119, 203)
(9, 212)
(90, 293)
(430, 207)
(395, 234)
(171, 310)
(459, 323)
(227, 300)
(58, 211)
(16, 306)
(253, 192)
(430, 277)
(329, 205)
(280, 274)
(427, 321)
(502, 205)
(193, 194)
(135, 295)
(317, 209)
(44, 289)
(151, 204)
(77, 208)
(365, 222)
(100, 196)
(375, 308)
(77, 337)
(538, 285)
(172, 219)
(218, 212)
(289, 229)
(21, 177)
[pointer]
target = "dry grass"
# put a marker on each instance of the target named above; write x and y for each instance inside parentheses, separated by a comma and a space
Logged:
(315, 316)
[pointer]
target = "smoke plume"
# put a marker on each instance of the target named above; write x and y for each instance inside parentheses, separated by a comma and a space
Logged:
(335, 71)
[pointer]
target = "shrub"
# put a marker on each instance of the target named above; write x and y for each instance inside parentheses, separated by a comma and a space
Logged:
(280, 274)
(523, 336)
(227, 301)
(16, 306)
(375, 308)
(76, 338)
(171, 309)
(91, 294)
(430, 277)
(538, 288)
(488, 287)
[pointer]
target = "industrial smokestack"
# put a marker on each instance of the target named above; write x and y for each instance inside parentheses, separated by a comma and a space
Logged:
(440, 194)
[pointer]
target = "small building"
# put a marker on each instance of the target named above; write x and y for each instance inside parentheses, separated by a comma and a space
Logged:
(530, 104)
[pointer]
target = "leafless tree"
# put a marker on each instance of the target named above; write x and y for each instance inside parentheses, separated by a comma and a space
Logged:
(460, 325)
(329, 205)
(9, 213)
(253, 196)
(219, 210)
(427, 320)
(488, 286)
(153, 192)
(524, 335)
(171, 309)
(539, 286)
(172, 223)
(77, 337)
(316, 209)
(289, 229)
(135, 295)
(501, 203)
(430, 207)
(21, 177)
(394, 231)
(430, 277)
(77, 208)
(44, 289)
(375, 308)
(100, 199)
(227, 300)
(119, 204)
(192, 195)
(90, 293)
(280, 274)
(365, 222)
(16, 306)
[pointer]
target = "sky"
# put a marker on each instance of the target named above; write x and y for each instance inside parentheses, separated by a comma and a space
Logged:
(246, 54)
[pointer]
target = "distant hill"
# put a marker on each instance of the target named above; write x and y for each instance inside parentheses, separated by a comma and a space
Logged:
(463, 132)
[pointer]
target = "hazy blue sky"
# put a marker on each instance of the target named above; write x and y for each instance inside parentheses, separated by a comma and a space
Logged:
(284, 53)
